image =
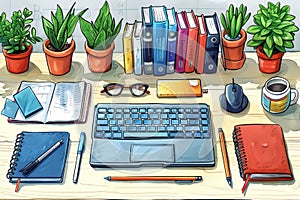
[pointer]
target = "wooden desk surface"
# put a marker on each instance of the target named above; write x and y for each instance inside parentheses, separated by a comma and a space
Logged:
(91, 183)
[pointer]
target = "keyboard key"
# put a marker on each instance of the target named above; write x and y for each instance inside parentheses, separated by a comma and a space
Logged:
(181, 116)
(114, 128)
(117, 135)
(170, 128)
(141, 128)
(128, 122)
(165, 122)
(197, 134)
(195, 110)
(107, 134)
(120, 122)
(119, 110)
(175, 122)
(179, 128)
(126, 116)
(188, 110)
(204, 116)
(151, 128)
(102, 122)
(110, 110)
(126, 110)
(172, 116)
(204, 122)
(183, 122)
(145, 135)
(147, 122)
(102, 128)
(166, 110)
(203, 110)
(134, 110)
(153, 116)
(163, 116)
(194, 122)
(132, 128)
(156, 122)
(181, 110)
(204, 128)
(192, 128)
(134, 116)
(150, 110)
(176, 134)
(142, 110)
(99, 135)
(192, 116)
(110, 116)
(158, 110)
(123, 128)
(161, 128)
(112, 122)
(118, 116)
(137, 122)
(102, 110)
(101, 116)
(174, 110)
(188, 134)
(144, 116)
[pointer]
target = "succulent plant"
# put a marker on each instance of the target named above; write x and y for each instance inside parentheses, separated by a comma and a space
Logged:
(61, 28)
(101, 33)
(235, 19)
(17, 35)
(274, 29)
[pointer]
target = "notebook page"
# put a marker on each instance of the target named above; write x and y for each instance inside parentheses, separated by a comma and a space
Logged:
(43, 91)
(67, 102)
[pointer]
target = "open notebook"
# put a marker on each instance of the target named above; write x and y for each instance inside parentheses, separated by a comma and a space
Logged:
(62, 102)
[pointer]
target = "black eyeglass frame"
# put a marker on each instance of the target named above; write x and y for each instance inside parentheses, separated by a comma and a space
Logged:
(106, 90)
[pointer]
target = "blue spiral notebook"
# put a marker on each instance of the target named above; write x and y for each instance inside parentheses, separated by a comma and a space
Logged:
(28, 147)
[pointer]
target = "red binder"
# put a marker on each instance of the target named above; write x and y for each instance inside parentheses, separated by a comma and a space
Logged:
(191, 49)
(261, 153)
(201, 46)
(182, 34)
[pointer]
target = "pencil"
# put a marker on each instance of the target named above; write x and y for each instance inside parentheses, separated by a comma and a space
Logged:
(225, 156)
(154, 178)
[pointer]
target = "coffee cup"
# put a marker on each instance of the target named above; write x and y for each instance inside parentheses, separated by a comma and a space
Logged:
(276, 95)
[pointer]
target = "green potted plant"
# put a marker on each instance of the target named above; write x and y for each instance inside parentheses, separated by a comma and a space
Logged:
(100, 36)
(17, 37)
(59, 46)
(273, 32)
(234, 36)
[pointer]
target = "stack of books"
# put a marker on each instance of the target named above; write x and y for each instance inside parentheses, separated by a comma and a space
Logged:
(165, 42)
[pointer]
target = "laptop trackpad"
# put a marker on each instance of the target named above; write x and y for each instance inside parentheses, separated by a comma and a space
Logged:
(152, 153)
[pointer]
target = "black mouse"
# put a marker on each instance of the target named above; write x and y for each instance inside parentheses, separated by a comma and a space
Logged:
(233, 99)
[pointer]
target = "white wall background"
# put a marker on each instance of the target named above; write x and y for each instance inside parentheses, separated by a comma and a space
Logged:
(130, 10)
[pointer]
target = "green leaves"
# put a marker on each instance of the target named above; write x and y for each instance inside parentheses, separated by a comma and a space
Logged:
(235, 19)
(101, 34)
(59, 29)
(17, 34)
(273, 28)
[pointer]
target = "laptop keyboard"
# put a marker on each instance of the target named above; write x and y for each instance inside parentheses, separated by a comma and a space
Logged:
(151, 121)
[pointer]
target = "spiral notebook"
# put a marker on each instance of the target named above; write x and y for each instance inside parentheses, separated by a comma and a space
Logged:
(261, 153)
(28, 147)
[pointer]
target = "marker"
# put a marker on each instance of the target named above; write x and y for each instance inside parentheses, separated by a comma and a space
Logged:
(178, 179)
(78, 157)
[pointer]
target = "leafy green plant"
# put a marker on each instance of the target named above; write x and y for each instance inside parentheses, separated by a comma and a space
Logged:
(17, 35)
(274, 29)
(60, 28)
(235, 19)
(102, 33)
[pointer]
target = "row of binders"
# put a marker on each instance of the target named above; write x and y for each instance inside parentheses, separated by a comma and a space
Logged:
(166, 41)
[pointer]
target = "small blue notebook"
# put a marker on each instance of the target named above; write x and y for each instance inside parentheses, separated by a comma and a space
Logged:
(27, 102)
(28, 147)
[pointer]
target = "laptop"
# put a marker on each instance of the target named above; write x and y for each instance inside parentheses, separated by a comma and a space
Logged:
(163, 135)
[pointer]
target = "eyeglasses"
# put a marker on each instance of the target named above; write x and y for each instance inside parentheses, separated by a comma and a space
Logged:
(115, 89)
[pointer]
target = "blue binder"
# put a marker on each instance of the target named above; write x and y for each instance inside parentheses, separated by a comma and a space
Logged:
(212, 44)
(160, 39)
(147, 50)
(172, 41)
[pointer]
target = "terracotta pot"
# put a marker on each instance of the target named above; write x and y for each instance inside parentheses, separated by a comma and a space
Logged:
(235, 64)
(234, 50)
(269, 65)
(99, 61)
(18, 63)
(59, 62)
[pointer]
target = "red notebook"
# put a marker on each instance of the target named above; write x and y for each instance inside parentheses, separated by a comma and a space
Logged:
(261, 153)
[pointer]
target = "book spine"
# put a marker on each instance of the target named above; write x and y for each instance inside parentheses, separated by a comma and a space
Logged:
(15, 155)
(147, 50)
(172, 42)
(240, 151)
(160, 36)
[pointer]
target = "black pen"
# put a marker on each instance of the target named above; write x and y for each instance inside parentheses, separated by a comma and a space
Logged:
(178, 179)
(30, 166)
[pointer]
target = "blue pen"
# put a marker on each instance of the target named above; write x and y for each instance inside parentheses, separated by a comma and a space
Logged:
(78, 157)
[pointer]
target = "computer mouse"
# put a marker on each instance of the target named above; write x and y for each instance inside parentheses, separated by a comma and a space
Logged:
(233, 99)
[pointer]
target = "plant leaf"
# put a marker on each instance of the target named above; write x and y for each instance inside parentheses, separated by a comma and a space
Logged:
(61, 43)
(246, 19)
(286, 9)
(55, 23)
(292, 28)
(223, 22)
(268, 51)
(233, 25)
(53, 39)
(279, 48)
(287, 36)
(88, 31)
(258, 37)
(100, 39)
(278, 31)
(46, 25)
(289, 17)
(254, 29)
(59, 15)
(238, 25)
(284, 24)
(288, 44)
(253, 43)
(263, 21)
(74, 21)
(103, 12)
(270, 41)
(277, 40)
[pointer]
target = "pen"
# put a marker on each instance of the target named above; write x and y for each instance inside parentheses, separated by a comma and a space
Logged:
(154, 178)
(30, 166)
(225, 156)
(78, 157)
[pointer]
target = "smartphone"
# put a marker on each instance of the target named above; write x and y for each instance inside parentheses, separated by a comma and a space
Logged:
(179, 88)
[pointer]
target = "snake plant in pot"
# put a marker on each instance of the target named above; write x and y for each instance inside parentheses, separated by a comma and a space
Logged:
(234, 36)
(100, 36)
(17, 37)
(273, 32)
(59, 46)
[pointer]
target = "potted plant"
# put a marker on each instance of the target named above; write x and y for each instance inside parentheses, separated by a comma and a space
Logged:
(59, 46)
(234, 36)
(273, 32)
(100, 36)
(17, 37)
